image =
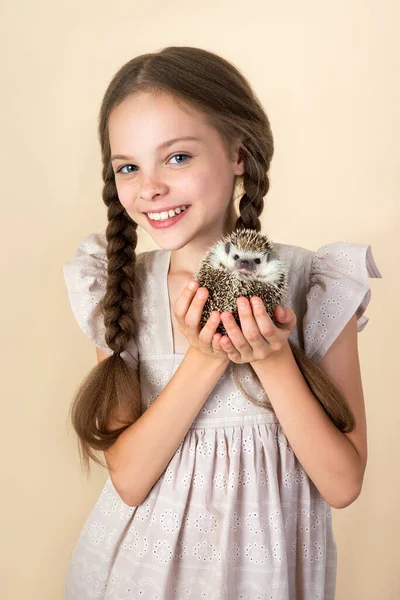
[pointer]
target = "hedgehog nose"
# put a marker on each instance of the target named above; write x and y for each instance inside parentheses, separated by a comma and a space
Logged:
(244, 263)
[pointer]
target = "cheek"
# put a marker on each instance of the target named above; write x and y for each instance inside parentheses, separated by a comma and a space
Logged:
(126, 193)
(190, 180)
(210, 186)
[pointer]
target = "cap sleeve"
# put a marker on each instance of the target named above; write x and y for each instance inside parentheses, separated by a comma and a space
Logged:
(338, 288)
(86, 278)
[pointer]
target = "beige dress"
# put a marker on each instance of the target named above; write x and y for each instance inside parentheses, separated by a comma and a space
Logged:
(234, 516)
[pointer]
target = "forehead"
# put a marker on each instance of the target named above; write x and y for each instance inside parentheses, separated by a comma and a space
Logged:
(150, 119)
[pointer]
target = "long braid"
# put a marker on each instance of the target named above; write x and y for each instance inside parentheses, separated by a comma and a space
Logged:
(117, 303)
(329, 395)
(111, 386)
(112, 389)
(251, 206)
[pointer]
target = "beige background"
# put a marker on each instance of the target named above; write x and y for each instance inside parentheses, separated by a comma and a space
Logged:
(328, 75)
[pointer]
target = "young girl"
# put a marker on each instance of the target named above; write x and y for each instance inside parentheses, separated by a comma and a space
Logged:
(209, 495)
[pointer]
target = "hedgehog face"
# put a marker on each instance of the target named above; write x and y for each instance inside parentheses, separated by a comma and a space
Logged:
(245, 264)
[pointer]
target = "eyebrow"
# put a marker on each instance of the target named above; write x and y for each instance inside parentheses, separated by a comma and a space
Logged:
(161, 146)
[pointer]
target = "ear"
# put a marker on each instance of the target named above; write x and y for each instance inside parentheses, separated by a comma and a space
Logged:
(239, 167)
(238, 159)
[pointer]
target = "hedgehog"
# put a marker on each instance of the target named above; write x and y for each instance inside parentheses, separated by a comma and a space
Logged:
(246, 263)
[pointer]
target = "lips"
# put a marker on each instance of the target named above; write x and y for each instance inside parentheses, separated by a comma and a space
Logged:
(166, 223)
(160, 210)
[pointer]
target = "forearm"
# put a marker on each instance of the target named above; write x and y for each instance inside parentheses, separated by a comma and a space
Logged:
(325, 453)
(144, 449)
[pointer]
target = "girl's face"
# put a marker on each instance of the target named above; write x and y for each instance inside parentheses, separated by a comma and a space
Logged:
(154, 174)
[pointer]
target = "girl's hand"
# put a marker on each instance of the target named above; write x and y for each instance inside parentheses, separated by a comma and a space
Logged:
(258, 337)
(188, 310)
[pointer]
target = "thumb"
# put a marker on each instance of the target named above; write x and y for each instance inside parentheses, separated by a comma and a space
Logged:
(283, 314)
(288, 318)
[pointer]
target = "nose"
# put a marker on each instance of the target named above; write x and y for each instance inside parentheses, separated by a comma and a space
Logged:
(149, 192)
(244, 262)
(152, 188)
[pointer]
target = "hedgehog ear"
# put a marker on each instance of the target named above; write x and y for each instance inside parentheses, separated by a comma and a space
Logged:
(227, 247)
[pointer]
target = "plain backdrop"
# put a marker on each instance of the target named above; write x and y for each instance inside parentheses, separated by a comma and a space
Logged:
(328, 75)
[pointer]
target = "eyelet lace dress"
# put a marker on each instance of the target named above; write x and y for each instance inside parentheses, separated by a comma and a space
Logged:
(234, 516)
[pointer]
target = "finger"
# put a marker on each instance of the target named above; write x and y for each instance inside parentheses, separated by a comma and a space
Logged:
(181, 306)
(280, 313)
(235, 334)
(212, 339)
(206, 335)
(229, 348)
(286, 316)
(216, 342)
(248, 324)
(193, 315)
(264, 322)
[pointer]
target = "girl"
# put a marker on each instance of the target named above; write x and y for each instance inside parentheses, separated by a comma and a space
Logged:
(209, 495)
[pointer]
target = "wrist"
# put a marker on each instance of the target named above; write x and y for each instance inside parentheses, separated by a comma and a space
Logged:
(208, 359)
(275, 359)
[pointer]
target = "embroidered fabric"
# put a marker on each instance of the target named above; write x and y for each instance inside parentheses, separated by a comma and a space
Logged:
(234, 515)
(86, 277)
(339, 288)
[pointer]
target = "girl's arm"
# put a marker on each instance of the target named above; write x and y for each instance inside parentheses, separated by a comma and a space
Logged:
(334, 461)
(142, 452)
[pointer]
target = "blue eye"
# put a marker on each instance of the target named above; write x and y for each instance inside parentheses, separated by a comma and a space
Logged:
(124, 167)
(175, 155)
(120, 170)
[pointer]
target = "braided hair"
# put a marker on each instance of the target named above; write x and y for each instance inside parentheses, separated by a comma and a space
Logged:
(213, 85)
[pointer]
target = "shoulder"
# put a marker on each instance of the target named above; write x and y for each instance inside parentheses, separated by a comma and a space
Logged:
(291, 250)
(344, 261)
(85, 276)
(297, 258)
(91, 255)
(329, 286)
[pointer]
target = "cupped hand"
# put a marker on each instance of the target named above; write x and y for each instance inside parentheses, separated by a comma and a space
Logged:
(258, 337)
(188, 310)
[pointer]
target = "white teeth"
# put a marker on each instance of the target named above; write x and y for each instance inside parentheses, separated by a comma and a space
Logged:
(166, 214)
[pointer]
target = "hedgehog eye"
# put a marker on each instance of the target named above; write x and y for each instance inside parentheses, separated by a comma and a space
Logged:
(236, 256)
(257, 261)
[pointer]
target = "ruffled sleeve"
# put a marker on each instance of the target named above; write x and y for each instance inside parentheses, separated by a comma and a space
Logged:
(339, 287)
(86, 278)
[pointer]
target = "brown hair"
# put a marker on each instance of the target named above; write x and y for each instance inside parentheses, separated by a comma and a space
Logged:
(214, 86)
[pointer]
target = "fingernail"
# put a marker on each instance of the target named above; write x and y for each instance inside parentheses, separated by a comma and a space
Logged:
(192, 285)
